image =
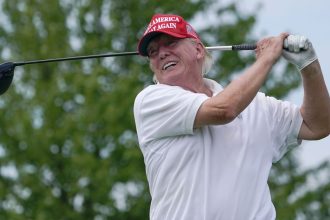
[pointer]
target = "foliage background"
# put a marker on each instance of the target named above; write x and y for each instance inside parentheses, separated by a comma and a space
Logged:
(68, 147)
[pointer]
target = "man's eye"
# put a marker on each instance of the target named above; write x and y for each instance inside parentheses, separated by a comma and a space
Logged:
(152, 52)
(172, 43)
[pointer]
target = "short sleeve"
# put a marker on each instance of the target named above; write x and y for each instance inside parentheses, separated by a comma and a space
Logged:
(285, 122)
(162, 111)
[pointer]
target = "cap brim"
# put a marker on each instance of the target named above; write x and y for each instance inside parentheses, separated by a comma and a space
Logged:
(145, 40)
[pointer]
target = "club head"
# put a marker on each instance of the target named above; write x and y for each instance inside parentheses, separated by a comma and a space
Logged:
(6, 76)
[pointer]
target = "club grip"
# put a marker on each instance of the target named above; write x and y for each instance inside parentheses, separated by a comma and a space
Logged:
(244, 47)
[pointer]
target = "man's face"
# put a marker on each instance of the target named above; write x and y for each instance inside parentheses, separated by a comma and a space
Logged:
(174, 60)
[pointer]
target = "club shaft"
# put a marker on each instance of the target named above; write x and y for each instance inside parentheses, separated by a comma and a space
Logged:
(221, 48)
(213, 48)
(76, 58)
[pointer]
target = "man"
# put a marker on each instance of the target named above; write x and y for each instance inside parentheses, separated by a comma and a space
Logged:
(208, 150)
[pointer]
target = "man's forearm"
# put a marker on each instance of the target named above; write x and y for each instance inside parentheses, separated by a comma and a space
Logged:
(316, 104)
(225, 106)
(242, 90)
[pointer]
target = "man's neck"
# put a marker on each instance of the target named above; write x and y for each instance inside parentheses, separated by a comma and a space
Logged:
(197, 86)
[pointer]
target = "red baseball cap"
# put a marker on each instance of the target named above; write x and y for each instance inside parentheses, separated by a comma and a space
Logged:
(173, 25)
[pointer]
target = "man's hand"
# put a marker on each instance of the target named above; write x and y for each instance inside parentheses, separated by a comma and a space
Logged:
(270, 48)
(299, 51)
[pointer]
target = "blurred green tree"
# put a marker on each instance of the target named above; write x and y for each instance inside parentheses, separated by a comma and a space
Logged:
(68, 147)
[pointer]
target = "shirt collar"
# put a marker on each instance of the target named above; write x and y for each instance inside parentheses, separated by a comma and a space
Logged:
(213, 85)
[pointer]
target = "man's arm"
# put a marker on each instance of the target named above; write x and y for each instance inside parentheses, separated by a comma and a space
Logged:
(315, 109)
(224, 107)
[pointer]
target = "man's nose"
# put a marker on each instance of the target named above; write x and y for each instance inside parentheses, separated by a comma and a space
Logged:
(163, 52)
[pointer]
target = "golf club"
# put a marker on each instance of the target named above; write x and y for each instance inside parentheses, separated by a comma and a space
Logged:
(7, 69)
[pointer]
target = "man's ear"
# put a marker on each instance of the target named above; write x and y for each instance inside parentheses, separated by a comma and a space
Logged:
(151, 67)
(200, 50)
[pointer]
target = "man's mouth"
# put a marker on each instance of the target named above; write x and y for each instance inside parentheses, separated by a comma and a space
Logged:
(169, 64)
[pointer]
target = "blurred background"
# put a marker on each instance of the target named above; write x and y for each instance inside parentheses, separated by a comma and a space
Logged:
(68, 147)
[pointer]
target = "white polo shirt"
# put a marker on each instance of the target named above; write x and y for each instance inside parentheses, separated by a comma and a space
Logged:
(213, 172)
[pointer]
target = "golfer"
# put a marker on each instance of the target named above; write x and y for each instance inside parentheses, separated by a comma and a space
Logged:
(208, 150)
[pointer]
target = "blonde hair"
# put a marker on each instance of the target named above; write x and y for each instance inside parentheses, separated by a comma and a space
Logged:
(207, 62)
